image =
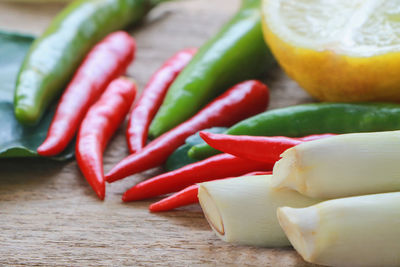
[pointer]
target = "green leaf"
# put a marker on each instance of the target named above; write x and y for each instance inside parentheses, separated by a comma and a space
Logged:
(13, 47)
(17, 140)
(180, 158)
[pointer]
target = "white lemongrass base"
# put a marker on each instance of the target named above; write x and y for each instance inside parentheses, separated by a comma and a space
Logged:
(354, 231)
(243, 210)
(341, 166)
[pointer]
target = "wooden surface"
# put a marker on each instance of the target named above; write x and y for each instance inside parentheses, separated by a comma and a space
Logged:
(49, 215)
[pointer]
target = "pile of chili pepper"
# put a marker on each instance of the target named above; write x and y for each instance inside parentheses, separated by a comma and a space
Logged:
(241, 101)
(97, 121)
(246, 154)
(192, 91)
(97, 100)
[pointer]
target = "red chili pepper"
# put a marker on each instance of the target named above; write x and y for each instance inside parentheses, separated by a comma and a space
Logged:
(241, 101)
(182, 198)
(186, 196)
(106, 61)
(99, 124)
(216, 167)
(260, 148)
(152, 98)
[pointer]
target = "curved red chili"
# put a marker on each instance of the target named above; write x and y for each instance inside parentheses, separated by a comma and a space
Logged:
(182, 198)
(99, 124)
(241, 101)
(152, 98)
(187, 196)
(260, 148)
(216, 167)
(106, 61)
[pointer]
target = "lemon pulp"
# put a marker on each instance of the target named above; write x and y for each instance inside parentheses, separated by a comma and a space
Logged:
(337, 50)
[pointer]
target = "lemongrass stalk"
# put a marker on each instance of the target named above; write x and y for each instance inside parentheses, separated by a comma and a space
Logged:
(353, 231)
(341, 166)
(243, 210)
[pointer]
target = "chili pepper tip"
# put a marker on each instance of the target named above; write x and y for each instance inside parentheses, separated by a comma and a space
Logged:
(138, 192)
(25, 114)
(184, 197)
(204, 136)
(133, 194)
(158, 206)
(112, 176)
(99, 188)
(164, 205)
(100, 191)
(46, 149)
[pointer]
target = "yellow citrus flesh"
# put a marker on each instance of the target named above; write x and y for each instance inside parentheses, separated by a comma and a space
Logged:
(337, 50)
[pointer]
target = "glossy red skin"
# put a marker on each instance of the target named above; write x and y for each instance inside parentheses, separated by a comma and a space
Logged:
(108, 60)
(182, 198)
(260, 148)
(187, 196)
(152, 98)
(241, 101)
(216, 167)
(99, 124)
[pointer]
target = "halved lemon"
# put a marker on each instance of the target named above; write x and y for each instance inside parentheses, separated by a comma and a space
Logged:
(337, 50)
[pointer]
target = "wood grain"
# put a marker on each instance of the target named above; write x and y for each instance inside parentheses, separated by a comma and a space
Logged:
(49, 216)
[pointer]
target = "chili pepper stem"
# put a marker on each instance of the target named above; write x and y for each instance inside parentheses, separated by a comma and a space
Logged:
(243, 210)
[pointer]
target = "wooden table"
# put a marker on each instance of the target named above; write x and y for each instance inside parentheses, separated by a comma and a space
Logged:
(49, 214)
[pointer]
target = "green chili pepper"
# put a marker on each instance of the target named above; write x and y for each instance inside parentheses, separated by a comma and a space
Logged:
(310, 119)
(238, 52)
(55, 56)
